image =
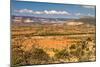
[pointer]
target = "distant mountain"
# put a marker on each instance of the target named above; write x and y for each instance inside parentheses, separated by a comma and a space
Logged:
(30, 20)
(87, 19)
(40, 18)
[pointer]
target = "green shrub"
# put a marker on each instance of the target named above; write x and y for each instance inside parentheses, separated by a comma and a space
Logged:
(72, 47)
(17, 56)
(39, 54)
(62, 54)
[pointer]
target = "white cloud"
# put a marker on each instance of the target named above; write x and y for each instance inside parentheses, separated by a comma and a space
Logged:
(78, 14)
(81, 14)
(90, 15)
(89, 7)
(55, 12)
(43, 12)
(24, 11)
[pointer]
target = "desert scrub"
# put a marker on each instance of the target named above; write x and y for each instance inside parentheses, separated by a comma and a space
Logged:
(17, 56)
(62, 54)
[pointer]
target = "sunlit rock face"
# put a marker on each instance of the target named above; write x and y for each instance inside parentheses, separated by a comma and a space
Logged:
(74, 23)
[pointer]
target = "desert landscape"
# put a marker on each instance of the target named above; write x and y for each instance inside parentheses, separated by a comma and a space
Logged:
(52, 33)
(70, 41)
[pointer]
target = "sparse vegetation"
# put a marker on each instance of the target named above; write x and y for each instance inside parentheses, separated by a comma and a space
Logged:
(34, 56)
(53, 43)
(63, 54)
(79, 51)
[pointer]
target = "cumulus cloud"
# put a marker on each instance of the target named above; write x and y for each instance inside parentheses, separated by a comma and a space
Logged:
(81, 14)
(91, 15)
(89, 7)
(43, 12)
(78, 14)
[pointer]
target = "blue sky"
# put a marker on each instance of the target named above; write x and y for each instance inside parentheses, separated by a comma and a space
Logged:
(51, 10)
